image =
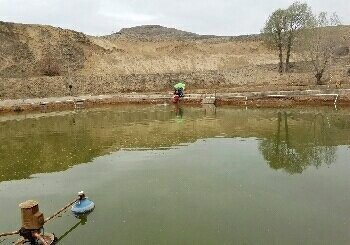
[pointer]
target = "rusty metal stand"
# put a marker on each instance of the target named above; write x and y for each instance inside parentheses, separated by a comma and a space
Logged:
(33, 223)
(41, 239)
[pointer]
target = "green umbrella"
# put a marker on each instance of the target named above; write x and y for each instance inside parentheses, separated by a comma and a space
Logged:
(180, 86)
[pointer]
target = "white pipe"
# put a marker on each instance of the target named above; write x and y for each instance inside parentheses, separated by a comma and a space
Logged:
(336, 99)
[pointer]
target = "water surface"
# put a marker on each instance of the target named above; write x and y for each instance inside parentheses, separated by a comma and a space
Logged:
(190, 175)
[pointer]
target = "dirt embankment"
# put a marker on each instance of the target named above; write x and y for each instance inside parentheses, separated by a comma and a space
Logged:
(329, 97)
(43, 61)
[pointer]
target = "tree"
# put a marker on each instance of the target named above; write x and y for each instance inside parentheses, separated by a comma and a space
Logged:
(282, 27)
(298, 17)
(319, 43)
(274, 32)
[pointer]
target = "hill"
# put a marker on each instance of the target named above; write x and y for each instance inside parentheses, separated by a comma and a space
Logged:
(154, 31)
(42, 61)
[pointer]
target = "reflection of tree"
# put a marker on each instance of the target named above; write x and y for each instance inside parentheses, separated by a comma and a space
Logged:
(306, 148)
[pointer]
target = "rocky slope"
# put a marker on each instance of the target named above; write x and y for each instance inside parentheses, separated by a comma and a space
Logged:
(42, 61)
(154, 31)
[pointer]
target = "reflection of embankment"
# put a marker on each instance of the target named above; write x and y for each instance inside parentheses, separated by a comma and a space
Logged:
(48, 144)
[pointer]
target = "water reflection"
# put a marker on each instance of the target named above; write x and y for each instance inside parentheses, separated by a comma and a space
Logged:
(209, 110)
(178, 112)
(39, 143)
(294, 150)
(82, 221)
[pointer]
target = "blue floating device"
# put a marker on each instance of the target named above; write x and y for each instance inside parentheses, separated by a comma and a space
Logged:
(84, 205)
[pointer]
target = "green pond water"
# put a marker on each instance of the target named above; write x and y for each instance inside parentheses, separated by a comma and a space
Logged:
(190, 175)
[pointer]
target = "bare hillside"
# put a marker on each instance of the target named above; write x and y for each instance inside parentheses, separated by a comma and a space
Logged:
(32, 50)
(37, 61)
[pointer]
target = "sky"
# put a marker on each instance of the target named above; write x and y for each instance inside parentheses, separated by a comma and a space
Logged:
(211, 17)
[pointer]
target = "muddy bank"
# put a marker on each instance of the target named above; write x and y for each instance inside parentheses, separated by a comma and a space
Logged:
(253, 99)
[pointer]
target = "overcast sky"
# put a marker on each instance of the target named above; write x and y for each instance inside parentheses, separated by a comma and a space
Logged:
(100, 17)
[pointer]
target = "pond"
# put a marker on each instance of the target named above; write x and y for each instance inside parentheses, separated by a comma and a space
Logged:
(181, 175)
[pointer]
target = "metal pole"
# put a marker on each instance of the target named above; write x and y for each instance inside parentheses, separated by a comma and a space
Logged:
(62, 209)
(9, 233)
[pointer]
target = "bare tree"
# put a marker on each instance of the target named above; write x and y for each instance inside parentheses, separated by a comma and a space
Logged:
(319, 43)
(274, 32)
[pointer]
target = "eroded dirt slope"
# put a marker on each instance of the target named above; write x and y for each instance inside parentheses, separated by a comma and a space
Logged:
(40, 61)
